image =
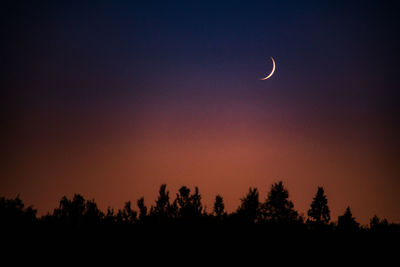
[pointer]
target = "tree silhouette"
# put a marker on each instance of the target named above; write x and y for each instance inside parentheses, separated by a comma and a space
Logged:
(142, 209)
(109, 217)
(77, 212)
(278, 208)
(219, 207)
(347, 222)
(92, 213)
(163, 211)
(162, 202)
(378, 225)
(319, 213)
(13, 213)
(187, 209)
(189, 205)
(249, 209)
(128, 215)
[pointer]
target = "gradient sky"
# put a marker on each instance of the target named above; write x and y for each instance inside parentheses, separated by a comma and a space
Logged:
(112, 99)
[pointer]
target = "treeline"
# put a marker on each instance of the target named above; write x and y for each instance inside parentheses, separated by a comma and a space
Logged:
(277, 211)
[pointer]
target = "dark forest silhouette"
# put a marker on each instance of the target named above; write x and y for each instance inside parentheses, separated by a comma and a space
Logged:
(276, 211)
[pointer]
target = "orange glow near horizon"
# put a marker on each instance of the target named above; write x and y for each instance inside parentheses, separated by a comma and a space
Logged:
(214, 154)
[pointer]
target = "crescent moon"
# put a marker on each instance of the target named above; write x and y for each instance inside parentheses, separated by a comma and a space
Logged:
(272, 72)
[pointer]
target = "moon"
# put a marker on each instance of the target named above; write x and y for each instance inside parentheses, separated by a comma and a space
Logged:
(272, 72)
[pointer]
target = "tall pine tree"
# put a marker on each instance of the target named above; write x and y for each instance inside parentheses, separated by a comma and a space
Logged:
(319, 211)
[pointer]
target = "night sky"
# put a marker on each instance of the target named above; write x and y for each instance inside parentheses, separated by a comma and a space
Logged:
(111, 99)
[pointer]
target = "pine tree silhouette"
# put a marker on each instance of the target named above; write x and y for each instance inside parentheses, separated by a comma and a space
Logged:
(319, 213)
(278, 208)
